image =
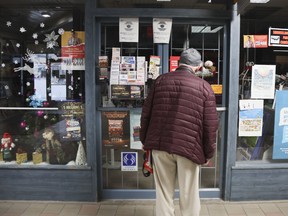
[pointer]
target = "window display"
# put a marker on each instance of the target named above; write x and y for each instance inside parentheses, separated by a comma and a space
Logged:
(262, 96)
(42, 90)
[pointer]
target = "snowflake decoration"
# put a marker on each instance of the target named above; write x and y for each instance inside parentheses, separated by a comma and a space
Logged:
(17, 45)
(3, 65)
(36, 42)
(8, 23)
(35, 35)
(61, 31)
(6, 87)
(51, 40)
(22, 30)
(35, 102)
(69, 72)
(7, 44)
(2, 52)
(16, 62)
(28, 83)
(42, 25)
(70, 87)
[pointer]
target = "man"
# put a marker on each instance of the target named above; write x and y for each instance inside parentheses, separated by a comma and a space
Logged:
(74, 40)
(179, 123)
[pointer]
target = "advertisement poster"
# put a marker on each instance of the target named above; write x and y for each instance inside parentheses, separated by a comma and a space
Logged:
(135, 116)
(128, 30)
(174, 62)
(255, 41)
(250, 117)
(278, 37)
(129, 161)
(73, 50)
(263, 81)
(116, 129)
(280, 147)
(161, 30)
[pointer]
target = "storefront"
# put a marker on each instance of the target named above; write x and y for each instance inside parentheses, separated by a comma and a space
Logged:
(72, 88)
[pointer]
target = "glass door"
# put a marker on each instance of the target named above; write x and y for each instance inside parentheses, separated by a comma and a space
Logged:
(121, 109)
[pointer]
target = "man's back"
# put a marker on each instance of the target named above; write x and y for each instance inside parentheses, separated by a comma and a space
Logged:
(181, 105)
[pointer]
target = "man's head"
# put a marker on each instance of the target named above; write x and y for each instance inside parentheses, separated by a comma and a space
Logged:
(191, 57)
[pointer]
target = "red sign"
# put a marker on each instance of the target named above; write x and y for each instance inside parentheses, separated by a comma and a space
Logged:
(255, 41)
(174, 62)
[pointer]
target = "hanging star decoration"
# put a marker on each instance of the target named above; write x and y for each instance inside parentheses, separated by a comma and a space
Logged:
(18, 45)
(42, 25)
(35, 35)
(51, 40)
(8, 23)
(22, 30)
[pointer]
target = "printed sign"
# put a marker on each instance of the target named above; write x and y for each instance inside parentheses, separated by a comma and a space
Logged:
(250, 117)
(255, 41)
(129, 161)
(280, 147)
(278, 37)
(263, 81)
(161, 30)
(128, 30)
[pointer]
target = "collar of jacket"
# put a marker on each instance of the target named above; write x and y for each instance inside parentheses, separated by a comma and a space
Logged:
(185, 68)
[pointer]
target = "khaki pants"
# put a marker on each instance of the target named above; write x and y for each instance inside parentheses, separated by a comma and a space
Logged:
(167, 167)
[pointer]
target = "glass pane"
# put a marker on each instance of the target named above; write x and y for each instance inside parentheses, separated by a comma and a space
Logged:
(208, 40)
(42, 89)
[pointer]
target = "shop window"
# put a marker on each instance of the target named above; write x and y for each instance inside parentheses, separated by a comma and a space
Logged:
(262, 133)
(42, 88)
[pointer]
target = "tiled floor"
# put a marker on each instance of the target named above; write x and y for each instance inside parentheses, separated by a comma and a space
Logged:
(138, 208)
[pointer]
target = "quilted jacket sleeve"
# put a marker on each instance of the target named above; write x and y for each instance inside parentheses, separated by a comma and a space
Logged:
(210, 123)
(146, 114)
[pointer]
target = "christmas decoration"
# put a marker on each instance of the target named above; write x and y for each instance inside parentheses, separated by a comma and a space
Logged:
(8, 23)
(81, 155)
(6, 146)
(51, 40)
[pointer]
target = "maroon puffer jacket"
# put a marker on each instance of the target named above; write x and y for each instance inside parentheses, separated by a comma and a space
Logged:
(179, 116)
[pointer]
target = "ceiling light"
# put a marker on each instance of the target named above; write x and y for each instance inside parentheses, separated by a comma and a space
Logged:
(259, 1)
(45, 14)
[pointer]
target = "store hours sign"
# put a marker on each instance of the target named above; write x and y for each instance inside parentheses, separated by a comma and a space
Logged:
(278, 37)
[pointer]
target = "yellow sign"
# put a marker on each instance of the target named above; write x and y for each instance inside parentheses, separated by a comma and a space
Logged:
(217, 89)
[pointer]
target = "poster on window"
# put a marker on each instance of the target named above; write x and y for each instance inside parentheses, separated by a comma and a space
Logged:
(128, 30)
(73, 50)
(263, 81)
(278, 37)
(280, 142)
(135, 116)
(129, 161)
(250, 117)
(116, 129)
(255, 41)
(161, 30)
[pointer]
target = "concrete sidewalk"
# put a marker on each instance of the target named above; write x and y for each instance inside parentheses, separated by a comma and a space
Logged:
(138, 208)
